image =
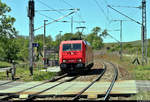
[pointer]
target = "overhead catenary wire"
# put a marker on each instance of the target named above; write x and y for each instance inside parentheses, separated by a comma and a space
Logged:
(79, 15)
(102, 10)
(67, 3)
(56, 20)
(107, 14)
(124, 15)
(54, 10)
(105, 2)
(72, 6)
(46, 16)
(113, 37)
(51, 7)
(107, 10)
(139, 7)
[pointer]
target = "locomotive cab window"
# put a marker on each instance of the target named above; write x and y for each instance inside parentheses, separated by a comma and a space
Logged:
(72, 47)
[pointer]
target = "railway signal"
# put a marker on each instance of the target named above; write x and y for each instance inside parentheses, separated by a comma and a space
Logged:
(31, 33)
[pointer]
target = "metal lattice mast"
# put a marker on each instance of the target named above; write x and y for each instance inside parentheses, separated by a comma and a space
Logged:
(144, 33)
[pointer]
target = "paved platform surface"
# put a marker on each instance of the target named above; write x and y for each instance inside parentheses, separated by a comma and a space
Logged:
(52, 69)
(71, 88)
(5, 84)
(143, 85)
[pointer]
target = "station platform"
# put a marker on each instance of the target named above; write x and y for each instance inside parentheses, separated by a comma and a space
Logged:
(52, 69)
(126, 87)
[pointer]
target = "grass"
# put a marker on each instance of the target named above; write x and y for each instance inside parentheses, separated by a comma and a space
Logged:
(4, 64)
(43, 76)
(23, 74)
(142, 72)
(137, 72)
(142, 95)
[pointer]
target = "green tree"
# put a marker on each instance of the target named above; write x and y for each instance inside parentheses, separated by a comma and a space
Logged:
(23, 45)
(148, 48)
(104, 33)
(48, 42)
(8, 48)
(6, 25)
(67, 36)
(57, 42)
(39, 39)
(96, 30)
(77, 36)
(94, 39)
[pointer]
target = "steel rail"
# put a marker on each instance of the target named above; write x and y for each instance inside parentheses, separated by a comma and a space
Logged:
(34, 95)
(107, 96)
(7, 82)
(82, 91)
(52, 80)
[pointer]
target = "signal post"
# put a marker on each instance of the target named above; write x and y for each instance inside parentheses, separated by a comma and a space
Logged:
(31, 33)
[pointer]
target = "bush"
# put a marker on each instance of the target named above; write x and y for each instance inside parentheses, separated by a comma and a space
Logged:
(43, 76)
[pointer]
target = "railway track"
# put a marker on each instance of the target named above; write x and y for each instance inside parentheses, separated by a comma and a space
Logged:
(107, 95)
(82, 91)
(31, 97)
(52, 80)
(75, 97)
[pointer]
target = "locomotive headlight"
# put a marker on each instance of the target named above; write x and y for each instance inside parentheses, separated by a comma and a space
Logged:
(79, 60)
(64, 60)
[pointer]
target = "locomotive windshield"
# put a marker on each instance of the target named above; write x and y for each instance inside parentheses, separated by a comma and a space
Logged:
(72, 47)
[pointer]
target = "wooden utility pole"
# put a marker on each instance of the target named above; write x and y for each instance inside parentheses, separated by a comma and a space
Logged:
(31, 33)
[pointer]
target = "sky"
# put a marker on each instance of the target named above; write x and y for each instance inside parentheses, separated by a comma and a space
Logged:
(93, 12)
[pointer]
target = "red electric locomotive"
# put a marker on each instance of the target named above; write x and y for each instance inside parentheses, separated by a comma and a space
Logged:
(75, 55)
